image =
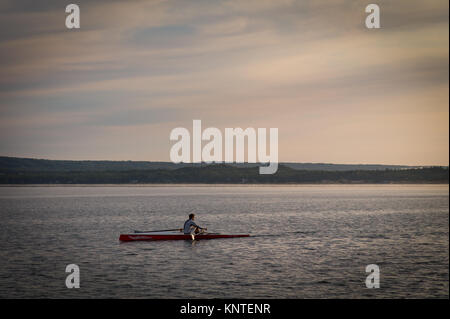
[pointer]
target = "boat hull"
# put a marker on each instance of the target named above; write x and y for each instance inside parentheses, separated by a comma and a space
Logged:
(174, 236)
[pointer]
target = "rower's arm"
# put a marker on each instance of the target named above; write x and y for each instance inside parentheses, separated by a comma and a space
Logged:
(195, 225)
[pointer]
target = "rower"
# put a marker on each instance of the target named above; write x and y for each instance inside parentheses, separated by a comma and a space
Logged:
(191, 228)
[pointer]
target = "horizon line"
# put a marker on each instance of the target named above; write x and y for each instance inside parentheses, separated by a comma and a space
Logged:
(221, 162)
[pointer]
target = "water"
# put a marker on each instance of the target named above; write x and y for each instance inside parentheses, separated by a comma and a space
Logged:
(307, 241)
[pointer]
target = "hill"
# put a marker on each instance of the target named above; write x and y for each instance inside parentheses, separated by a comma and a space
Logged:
(31, 171)
(9, 164)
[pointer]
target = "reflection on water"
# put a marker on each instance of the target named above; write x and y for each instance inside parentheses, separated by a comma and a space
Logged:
(306, 241)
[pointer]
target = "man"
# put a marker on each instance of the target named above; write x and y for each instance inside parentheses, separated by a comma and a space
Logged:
(190, 227)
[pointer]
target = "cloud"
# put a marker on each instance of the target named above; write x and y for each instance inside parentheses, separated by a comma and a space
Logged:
(159, 64)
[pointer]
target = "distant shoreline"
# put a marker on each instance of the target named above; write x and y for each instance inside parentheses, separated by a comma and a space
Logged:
(224, 174)
(218, 185)
(19, 171)
(39, 164)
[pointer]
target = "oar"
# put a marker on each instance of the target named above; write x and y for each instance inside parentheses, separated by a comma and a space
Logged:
(157, 231)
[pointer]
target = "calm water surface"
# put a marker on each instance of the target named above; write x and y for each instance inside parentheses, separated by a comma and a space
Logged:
(307, 241)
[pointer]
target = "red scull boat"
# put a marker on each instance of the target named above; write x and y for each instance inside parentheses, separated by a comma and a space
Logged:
(165, 235)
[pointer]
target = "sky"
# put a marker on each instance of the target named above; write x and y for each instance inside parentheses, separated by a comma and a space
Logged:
(115, 88)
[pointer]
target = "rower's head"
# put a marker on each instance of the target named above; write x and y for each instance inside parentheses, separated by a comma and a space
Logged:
(191, 216)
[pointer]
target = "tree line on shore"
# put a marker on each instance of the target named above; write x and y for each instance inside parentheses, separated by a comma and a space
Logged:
(224, 174)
